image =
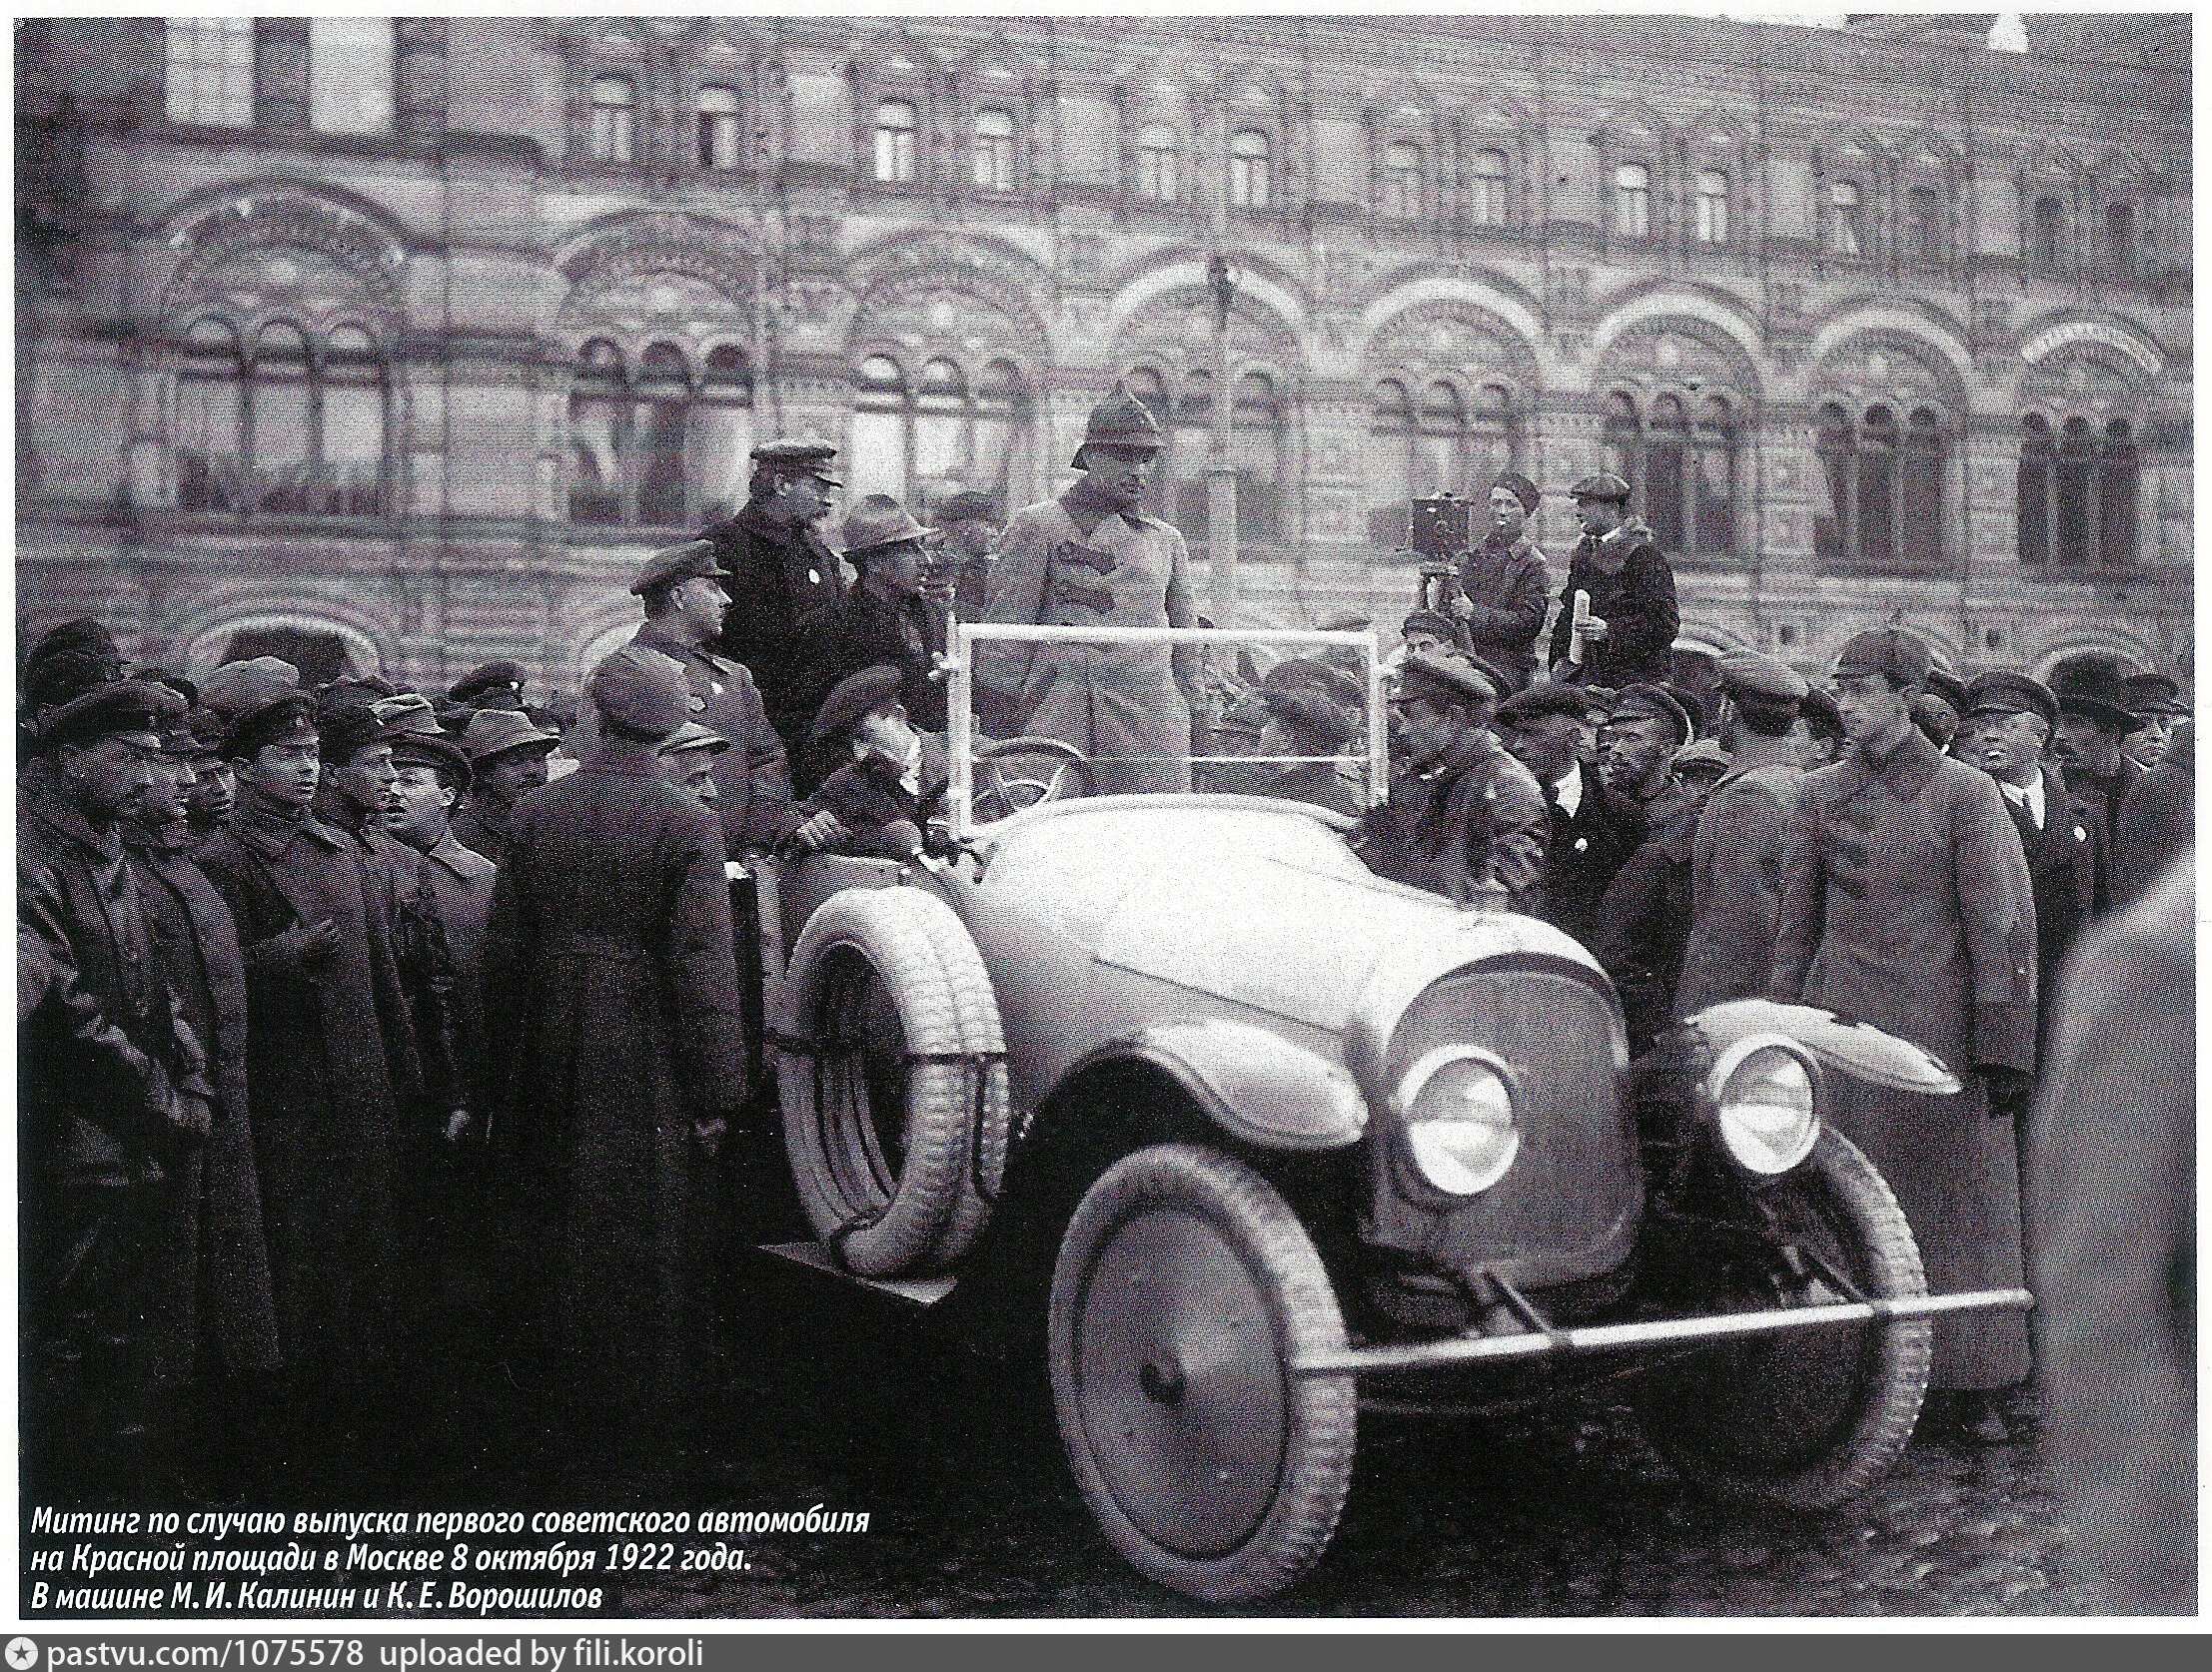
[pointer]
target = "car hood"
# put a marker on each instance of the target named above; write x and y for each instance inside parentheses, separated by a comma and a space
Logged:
(1246, 900)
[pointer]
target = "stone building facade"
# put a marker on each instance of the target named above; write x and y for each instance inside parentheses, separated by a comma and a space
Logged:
(413, 335)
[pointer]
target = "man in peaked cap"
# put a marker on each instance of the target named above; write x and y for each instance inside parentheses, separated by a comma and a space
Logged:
(213, 792)
(1636, 747)
(890, 780)
(1092, 557)
(1633, 618)
(1593, 828)
(1737, 851)
(1940, 712)
(779, 572)
(1505, 585)
(687, 758)
(885, 616)
(1465, 820)
(506, 760)
(1906, 902)
(1431, 632)
(610, 979)
(2093, 717)
(2155, 701)
(497, 684)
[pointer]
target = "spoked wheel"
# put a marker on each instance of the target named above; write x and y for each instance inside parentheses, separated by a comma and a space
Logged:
(1809, 1417)
(1018, 774)
(1184, 1292)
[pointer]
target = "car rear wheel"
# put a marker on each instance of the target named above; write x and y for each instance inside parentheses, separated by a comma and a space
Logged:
(1184, 1292)
(1809, 1417)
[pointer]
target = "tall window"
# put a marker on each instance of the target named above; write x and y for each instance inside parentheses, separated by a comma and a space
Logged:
(1256, 448)
(1923, 225)
(293, 426)
(2120, 238)
(350, 74)
(720, 143)
(1632, 201)
(894, 142)
(1402, 181)
(1156, 171)
(1713, 205)
(2036, 486)
(994, 150)
(613, 134)
(209, 71)
(353, 417)
(656, 448)
(210, 426)
(1846, 218)
(1884, 507)
(1680, 469)
(920, 437)
(1487, 188)
(1248, 168)
(2048, 238)
(1448, 443)
(2078, 492)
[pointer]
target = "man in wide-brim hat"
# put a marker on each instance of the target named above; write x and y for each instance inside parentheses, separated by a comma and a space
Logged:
(1092, 557)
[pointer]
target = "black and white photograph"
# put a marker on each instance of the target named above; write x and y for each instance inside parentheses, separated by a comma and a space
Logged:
(1084, 817)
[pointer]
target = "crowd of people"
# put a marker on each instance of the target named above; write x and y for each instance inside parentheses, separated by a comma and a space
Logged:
(357, 1020)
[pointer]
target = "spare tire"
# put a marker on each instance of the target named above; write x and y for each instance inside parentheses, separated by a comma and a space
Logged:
(892, 1019)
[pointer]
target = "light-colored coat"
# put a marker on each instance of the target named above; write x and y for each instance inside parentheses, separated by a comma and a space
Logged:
(1906, 902)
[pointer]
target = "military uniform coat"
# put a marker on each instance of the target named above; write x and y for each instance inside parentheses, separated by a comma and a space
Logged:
(1906, 902)
(332, 1075)
(210, 1241)
(1582, 853)
(1471, 818)
(611, 993)
(460, 882)
(1735, 886)
(2158, 822)
(1126, 707)
(1637, 605)
(777, 575)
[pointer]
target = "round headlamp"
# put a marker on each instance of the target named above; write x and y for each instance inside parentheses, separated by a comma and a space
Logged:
(1462, 1128)
(1764, 1091)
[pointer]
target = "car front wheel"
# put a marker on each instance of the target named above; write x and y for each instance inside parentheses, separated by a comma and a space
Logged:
(1184, 1293)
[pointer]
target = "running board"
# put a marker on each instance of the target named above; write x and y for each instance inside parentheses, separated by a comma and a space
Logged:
(915, 1291)
(1602, 1337)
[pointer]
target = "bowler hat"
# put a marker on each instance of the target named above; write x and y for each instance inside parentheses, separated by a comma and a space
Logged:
(1748, 674)
(430, 748)
(692, 737)
(2093, 684)
(879, 520)
(692, 561)
(2153, 694)
(636, 690)
(2006, 691)
(1121, 420)
(1602, 486)
(1654, 702)
(498, 731)
(1902, 658)
(111, 706)
(1520, 488)
(856, 696)
(499, 679)
(1448, 679)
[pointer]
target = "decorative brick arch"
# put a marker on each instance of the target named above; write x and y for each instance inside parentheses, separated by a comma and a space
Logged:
(367, 640)
(214, 228)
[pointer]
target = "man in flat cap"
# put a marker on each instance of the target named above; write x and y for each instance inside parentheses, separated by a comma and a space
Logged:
(1505, 585)
(687, 758)
(1432, 634)
(1465, 820)
(2155, 701)
(1644, 728)
(884, 617)
(611, 978)
(113, 1091)
(1906, 902)
(1308, 715)
(777, 573)
(334, 1069)
(1593, 828)
(1644, 917)
(2093, 717)
(684, 605)
(1631, 618)
(1737, 853)
(1092, 557)
(506, 760)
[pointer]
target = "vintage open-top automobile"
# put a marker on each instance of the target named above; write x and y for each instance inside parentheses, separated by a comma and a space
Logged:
(1249, 1137)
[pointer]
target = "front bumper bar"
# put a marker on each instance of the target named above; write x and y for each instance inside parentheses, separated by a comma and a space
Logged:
(1654, 1332)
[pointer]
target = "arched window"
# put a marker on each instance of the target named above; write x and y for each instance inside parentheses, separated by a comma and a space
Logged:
(1439, 457)
(1878, 484)
(614, 131)
(2116, 534)
(280, 419)
(1920, 490)
(1665, 461)
(1150, 390)
(1831, 526)
(1713, 504)
(1681, 471)
(1450, 443)
(1248, 168)
(209, 71)
(721, 429)
(894, 142)
(994, 150)
(1256, 449)
(1713, 205)
(1487, 188)
(1493, 438)
(941, 430)
(663, 391)
(2120, 238)
(940, 414)
(2079, 495)
(1391, 422)
(1156, 164)
(2077, 492)
(599, 436)
(1632, 201)
(356, 408)
(654, 447)
(210, 442)
(719, 142)
(1402, 181)
(1884, 507)
(2048, 240)
(1846, 218)
(880, 405)
(2037, 485)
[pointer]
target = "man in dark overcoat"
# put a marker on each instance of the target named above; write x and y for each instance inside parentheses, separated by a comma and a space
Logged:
(332, 1065)
(1906, 902)
(507, 758)
(1593, 828)
(112, 1095)
(2093, 719)
(886, 617)
(779, 572)
(1505, 587)
(1629, 634)
(1737, 853)
(611, 993)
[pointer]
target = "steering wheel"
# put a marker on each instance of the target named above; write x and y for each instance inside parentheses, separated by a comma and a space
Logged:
(999, 793)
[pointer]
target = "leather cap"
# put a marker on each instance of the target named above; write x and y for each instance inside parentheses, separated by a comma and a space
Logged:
(496, 731)
(1602, 486)
(2006, 691)
(879, 520)
(1121, 420)
(692, 561)
(1652, 702)
(692, 737)
(2153, 694)
(1448, 679)
(500, 678)
(2095, 685)
(636, 690)
(1901, 656)
(1520, 488)
(111, 707)
(1747, 674)
(856, 696)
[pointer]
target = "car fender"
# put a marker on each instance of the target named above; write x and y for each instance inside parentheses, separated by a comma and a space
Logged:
(1254, 1084)
(1858, 1049)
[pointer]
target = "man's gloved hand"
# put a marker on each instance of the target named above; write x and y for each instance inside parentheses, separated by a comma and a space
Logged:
(819, 832)
(307, 947)
(2011, 1093)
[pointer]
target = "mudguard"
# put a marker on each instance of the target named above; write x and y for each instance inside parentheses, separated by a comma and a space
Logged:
(1254, 1084)
(1858, 1049)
